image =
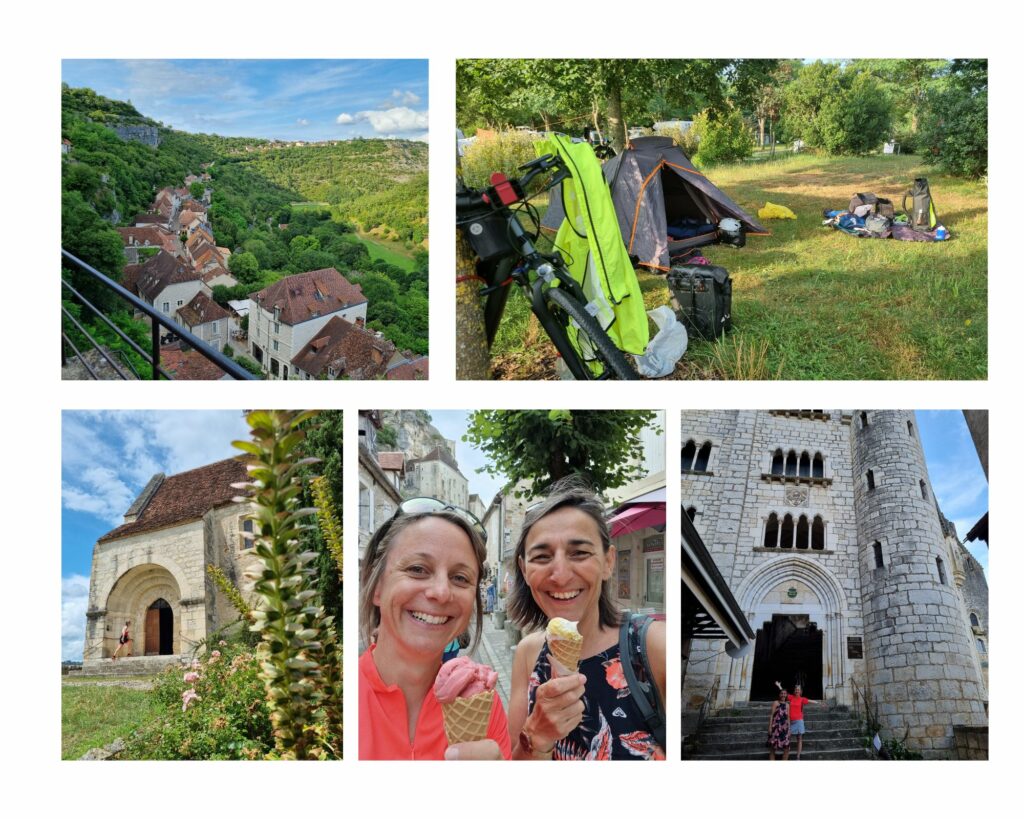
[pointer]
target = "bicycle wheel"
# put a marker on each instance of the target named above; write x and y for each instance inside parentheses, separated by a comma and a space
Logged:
(590, 337)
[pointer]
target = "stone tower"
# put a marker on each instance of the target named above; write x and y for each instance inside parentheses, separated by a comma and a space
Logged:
(918, 649)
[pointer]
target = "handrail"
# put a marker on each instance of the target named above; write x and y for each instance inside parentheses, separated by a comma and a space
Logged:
(158, 320)
(707, 705)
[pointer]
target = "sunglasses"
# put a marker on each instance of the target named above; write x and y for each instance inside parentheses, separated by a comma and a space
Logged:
(428, 506)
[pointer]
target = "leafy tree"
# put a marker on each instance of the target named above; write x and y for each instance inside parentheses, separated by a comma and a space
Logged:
(387, 437)
(954, 128)
(722, 139)
(197, 189)
(541, 446)
(244, 266)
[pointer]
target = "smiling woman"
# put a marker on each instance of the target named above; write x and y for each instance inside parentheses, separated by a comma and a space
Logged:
(418, 592)
(613, 708)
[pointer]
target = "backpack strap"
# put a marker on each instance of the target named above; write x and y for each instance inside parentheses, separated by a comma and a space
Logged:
(633, 645)
(905, 195)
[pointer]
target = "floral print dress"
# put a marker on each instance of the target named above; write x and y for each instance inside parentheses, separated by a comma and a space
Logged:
(778, 733)
(612, 726)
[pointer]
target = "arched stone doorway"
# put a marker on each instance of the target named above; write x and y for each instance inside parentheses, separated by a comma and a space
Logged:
(799, 611)
(147, 595)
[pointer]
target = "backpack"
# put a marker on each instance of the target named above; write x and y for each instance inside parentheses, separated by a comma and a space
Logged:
(703, 299)
(923, 215)
(633, 647)
(878, 206)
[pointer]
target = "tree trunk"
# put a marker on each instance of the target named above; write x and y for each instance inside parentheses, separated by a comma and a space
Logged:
(760, 128)
(616, 122)
(472, 358)
(595, 111)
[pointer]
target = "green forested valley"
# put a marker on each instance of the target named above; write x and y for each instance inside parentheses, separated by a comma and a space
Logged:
(376, 186)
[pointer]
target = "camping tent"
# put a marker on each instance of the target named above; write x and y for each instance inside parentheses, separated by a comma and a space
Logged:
(655, 185)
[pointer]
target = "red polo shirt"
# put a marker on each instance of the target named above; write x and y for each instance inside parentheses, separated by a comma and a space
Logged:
(796, 706)
(384, 721)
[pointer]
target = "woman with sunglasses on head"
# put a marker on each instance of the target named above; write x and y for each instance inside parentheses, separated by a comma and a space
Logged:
(419, 589)
(564, 565)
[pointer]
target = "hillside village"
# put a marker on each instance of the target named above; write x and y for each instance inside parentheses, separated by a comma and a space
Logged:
(306, 326)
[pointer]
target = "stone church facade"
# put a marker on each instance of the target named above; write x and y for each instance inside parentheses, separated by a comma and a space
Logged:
(824, 526)
(151, 570)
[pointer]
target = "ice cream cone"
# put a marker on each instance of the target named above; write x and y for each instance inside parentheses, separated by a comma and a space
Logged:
(565, 644)
(466, 719)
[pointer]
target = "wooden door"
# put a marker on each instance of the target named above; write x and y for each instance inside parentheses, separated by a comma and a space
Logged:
(152, 632)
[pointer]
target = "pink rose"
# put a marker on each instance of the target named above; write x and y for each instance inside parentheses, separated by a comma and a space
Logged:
(191, 676)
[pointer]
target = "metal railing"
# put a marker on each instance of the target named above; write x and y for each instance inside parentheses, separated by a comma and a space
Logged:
(707, 705)
(157, 320)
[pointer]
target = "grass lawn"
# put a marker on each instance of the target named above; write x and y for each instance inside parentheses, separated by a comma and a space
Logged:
(390, 252)
(814, 303)
(95, 715)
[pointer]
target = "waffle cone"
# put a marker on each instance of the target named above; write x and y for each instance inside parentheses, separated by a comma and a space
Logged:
(566, 652)
(466, 719)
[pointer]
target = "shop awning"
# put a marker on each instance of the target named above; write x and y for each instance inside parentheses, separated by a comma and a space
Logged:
(637, 516)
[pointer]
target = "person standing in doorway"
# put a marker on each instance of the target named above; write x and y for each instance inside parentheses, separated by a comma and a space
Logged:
(778, 727)
(796, 715)
(122, 641)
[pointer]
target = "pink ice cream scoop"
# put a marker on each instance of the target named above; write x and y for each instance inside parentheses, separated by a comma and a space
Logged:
(463, 678)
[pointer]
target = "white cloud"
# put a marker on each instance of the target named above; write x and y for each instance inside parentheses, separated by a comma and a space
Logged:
(302, 121)
(100, 492)
(345, 119)
(405, 97)
(74, 600)
(396, 120)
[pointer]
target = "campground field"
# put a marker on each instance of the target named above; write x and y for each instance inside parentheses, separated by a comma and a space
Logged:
(810, 302)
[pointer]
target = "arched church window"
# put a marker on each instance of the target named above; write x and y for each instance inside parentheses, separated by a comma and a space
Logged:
(777, 463)
(691, 513)
(974, 620)
(787, 533)
(910, 427)
(791, 464)
(703, 457)
(877, 548)
(981, 645)
(771, 532)
(924, 489)
(802, 532)
(818, 533)
(942, 570)
(805, 465)
(863, 420)
(818, 466)
(687, 457)
(871, 479)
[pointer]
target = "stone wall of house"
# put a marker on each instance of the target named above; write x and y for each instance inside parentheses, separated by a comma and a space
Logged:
(920, 662)
(975, 593)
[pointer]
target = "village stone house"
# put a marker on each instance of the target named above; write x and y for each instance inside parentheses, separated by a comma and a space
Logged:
(151, 570)
(169, 283)
(379, 497)
(437, 475)
(285, 316)
(824, 527)
(344, 350)
(204, 318)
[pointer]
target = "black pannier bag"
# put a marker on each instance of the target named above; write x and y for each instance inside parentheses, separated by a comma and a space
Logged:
(703, 299)
(879, 206)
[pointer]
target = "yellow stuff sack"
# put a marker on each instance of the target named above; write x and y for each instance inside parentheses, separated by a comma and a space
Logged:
(770, 211)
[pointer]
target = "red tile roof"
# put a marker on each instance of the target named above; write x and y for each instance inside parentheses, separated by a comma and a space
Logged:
(189, 365)
(150, 235)
(417, 369)
(348, 350)
(186, 497)
(161, 271)
(301, 296)
(391, 460)
(200, 310)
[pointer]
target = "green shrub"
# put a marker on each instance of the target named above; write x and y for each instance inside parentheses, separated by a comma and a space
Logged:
(505, 152)
(214, 708)
(725, 138)
(954, 129)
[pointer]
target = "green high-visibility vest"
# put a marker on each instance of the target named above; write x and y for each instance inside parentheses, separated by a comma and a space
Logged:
(591, 244)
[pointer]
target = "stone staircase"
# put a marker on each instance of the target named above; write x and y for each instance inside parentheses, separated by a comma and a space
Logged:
(128, 666)
(740, 732)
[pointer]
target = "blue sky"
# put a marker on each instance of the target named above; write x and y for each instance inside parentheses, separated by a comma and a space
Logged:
(307, 100)
(106, 459)
(957, 478)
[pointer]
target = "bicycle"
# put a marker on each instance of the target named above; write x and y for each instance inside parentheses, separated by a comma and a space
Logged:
(507, 255)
